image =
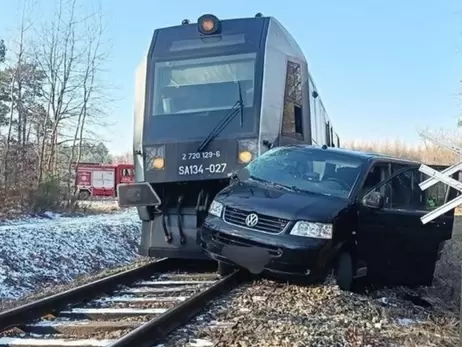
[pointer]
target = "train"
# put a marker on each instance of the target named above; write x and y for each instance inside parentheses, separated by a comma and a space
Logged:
(210, 97)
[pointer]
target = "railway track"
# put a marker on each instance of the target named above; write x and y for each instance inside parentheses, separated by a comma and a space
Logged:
(134, 308)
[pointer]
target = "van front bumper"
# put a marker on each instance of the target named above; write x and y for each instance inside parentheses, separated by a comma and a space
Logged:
(287, 254)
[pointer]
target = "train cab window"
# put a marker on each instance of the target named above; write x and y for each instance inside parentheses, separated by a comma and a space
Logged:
(292, 118)
(126, 172)
(203, 84)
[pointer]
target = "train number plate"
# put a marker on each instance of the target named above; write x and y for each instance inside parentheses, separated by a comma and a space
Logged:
(184, 170)
(200, 155)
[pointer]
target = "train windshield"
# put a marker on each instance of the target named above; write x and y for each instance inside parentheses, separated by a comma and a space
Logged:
(205, 84)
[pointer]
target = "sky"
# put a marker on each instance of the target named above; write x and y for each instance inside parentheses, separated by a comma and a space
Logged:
(384, 69)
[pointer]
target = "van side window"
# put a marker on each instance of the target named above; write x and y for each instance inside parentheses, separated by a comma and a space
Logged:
(397, 166)
(403, 192)
(292, 122)
(377, 174)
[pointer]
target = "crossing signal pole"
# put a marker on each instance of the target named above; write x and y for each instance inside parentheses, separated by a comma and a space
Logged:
(444, 177)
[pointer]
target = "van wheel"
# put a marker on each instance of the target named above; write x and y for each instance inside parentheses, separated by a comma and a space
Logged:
(344, 271)
(224, 269)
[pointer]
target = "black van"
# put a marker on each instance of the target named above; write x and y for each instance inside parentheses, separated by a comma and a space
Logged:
(306, 210)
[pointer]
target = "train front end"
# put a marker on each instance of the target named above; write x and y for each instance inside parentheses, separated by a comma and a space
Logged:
(197, 113)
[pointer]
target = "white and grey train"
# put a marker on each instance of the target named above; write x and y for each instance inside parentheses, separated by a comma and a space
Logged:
(210, 97)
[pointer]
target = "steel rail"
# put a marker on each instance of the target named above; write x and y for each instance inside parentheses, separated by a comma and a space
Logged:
(177, 316)
(54, 303)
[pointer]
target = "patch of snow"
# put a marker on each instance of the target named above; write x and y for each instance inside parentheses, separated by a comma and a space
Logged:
(12, 341)
(218, 324)
(148, 290)
(142, 299)
(57, 323)
(125, 310)
(36, 253)
(200, 343)
(406, 321)
(160, 283)
(258, 298)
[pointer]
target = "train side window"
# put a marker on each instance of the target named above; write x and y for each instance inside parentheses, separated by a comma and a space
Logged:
(292, 123)
(321, 115)
(327, 129)
(313, 116)
(332, 136)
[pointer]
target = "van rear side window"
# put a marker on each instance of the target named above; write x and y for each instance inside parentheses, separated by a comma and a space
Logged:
(403, 192)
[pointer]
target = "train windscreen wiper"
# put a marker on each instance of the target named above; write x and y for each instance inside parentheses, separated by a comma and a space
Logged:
(225, 120)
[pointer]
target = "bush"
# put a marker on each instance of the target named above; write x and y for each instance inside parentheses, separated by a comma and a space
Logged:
(48, 195)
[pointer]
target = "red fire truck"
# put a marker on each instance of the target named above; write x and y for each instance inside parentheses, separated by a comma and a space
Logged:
(101, 180)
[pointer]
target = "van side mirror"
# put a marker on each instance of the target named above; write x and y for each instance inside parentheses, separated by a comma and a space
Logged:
(243, 174)
(374, 200)
(240, 175)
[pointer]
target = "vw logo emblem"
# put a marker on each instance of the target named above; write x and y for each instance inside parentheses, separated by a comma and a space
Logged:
(251, 220)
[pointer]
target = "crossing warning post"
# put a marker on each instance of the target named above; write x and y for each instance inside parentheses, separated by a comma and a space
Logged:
(444, 177)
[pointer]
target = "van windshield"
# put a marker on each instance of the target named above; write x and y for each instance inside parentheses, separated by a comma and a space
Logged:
(204, 84)
(308, 170)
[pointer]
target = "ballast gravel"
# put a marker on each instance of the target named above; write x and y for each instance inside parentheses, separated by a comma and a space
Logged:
(268, 313)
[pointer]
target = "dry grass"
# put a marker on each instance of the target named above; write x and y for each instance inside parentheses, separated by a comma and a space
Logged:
(446, 290)
(97, 206)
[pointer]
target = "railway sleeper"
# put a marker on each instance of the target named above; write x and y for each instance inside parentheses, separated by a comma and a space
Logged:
(129, 316)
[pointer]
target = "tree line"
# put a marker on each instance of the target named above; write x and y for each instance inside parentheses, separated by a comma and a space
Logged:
(52, 103)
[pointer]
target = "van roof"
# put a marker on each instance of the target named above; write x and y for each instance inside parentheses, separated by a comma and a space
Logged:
(367, 156)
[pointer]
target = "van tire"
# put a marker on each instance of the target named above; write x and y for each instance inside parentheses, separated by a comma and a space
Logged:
(224, 269)
(344, 271)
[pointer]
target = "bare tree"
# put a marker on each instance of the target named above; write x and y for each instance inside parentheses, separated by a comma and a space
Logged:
(51, 95)
(94, 58)
(16, 100)
(57, 56)
(2, 51)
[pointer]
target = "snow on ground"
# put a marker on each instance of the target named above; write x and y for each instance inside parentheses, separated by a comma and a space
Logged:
(38, 252)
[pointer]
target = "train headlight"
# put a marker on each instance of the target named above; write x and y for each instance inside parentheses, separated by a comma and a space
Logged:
(245, 157)
(216, 208)
(208, 24)
(158, 163)
(247, 150)
(309, 229)
(155, 157)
